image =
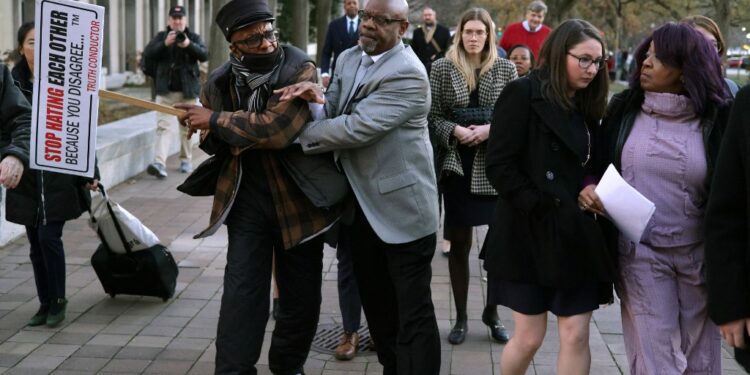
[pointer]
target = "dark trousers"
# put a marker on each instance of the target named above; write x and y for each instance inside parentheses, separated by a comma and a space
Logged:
(743, 357)
(394, 283)
(349, 302)
(253, 238)
(48, 260)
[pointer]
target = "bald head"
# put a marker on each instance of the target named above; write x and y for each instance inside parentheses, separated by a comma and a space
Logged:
(351, 7)
(382, 25)
(400, 8)
(394, 8)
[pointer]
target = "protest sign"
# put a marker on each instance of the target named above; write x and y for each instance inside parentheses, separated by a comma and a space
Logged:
(68, 59)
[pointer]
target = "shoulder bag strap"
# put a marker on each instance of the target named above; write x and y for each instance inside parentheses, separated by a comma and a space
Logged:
(437, 47)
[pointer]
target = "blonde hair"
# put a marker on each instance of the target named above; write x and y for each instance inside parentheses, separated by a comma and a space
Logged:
(457, 53)
(709, 25)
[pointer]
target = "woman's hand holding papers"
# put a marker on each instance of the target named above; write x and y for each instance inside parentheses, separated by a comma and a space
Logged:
(589, 201)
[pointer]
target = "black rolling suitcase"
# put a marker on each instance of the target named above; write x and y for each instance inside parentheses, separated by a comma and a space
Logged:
(149, 272)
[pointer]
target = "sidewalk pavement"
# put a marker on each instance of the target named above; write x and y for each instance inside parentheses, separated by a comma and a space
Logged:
(145, 335)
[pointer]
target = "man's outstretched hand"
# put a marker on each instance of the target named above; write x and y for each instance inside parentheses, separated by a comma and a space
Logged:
(308, 91)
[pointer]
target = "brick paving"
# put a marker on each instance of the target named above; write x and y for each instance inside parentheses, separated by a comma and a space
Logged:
(145, 335)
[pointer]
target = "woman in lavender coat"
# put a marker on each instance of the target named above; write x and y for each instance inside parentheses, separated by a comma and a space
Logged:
(663, 135)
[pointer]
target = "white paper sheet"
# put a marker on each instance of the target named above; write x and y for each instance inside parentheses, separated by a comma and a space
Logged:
(625, 206)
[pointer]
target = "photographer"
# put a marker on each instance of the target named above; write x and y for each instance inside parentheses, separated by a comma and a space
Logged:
(177, 51)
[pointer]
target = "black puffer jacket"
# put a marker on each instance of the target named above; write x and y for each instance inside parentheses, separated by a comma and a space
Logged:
(15, 119)
(184, 60)
(43, 197)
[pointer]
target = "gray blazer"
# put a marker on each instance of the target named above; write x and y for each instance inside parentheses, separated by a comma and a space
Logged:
(382, 142)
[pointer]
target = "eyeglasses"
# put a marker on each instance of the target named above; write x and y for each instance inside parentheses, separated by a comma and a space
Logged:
(472, 33)
(256, 40)
(379, 20)
(584, 62)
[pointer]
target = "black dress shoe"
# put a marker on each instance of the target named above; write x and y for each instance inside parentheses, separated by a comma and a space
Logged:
(499, 333)
(497, 329)
(458, 333)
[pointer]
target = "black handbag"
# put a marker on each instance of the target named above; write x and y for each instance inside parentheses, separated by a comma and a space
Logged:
(316, 175)
(472, 116)
(202, 182)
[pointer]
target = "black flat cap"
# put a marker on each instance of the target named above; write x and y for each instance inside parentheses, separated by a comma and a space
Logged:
(237, 14)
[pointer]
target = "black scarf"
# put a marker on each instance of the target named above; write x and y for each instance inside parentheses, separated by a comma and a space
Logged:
(255, 72)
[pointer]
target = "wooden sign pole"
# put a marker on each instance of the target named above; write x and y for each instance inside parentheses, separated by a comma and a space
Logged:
(140, 102)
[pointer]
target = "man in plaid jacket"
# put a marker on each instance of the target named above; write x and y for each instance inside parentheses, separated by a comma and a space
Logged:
(256, 196)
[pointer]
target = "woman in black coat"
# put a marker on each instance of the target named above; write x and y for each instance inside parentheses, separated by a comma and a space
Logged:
(42, 202)
(543, 253)
(727, 240)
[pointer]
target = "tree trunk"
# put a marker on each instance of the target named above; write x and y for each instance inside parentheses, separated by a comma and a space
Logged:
(323, 17)
(617, 10)
(300, 20)
(558, 11)
(218, 46)
(723, 13)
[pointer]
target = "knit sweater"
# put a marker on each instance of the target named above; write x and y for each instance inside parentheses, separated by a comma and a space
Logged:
(515, 34)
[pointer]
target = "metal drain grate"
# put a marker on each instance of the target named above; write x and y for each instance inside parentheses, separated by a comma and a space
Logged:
(328, 336)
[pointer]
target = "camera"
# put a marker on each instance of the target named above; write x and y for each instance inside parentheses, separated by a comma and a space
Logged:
(180, 37)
